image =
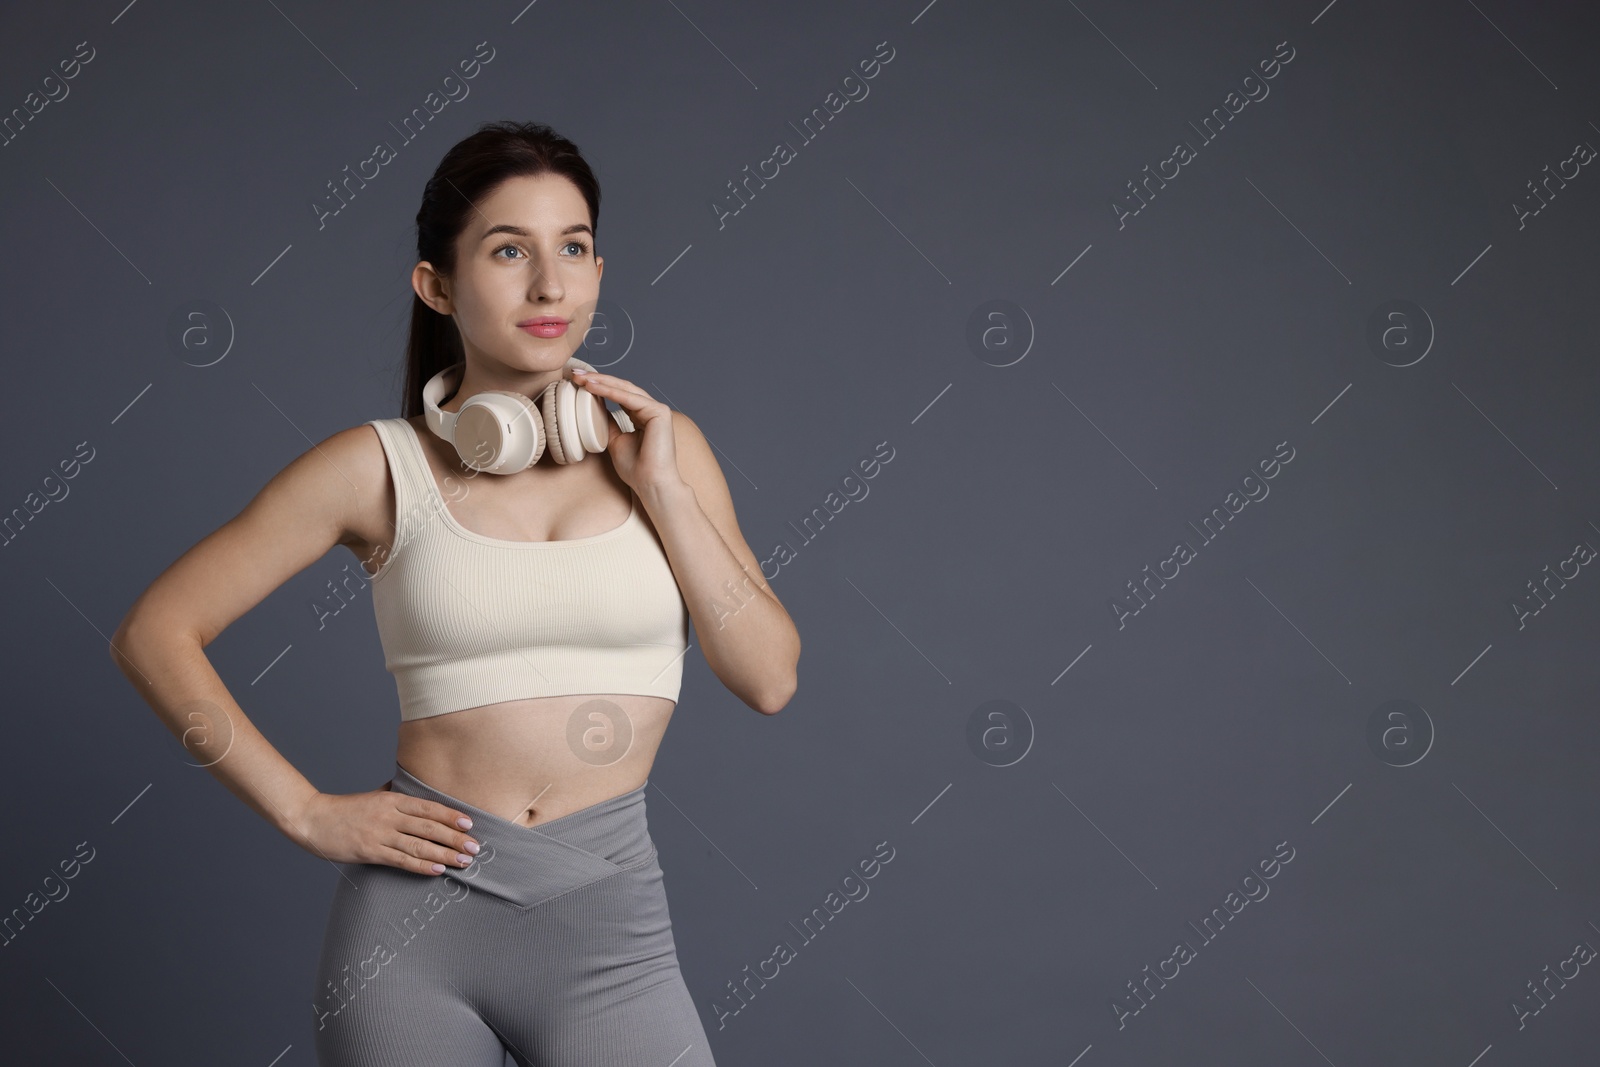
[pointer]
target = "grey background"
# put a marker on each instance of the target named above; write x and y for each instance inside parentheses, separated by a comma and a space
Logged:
(833, 313)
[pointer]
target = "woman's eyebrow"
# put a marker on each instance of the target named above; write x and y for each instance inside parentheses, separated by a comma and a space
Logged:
(520, 232)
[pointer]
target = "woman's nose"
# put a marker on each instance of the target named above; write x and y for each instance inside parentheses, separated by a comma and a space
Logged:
(545, 282)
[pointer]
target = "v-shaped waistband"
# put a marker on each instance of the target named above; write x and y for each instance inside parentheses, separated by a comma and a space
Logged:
(527, 866)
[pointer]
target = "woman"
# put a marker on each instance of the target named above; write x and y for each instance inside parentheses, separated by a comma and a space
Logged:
(502, 892)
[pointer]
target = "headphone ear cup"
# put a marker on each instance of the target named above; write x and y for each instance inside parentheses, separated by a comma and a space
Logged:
(573, 421)
(550, 404)
(499, 432)
(589, 418)
(578, 411)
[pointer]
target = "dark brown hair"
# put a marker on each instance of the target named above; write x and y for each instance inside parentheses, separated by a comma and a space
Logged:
(469, 172)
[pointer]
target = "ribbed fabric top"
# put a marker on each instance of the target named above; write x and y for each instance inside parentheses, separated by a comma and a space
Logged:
(467, 620)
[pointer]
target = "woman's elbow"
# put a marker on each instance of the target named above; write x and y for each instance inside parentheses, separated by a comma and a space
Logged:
(777, 699)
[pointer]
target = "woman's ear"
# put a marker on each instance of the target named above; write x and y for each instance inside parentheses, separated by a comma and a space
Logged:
(431, 288)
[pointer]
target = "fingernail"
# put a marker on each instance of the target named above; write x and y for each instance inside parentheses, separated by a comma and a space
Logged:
(472, 847)
(464, 822)
(438, 868)
(463, 859)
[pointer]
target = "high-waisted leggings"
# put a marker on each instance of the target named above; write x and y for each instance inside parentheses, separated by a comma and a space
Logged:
(553, 945)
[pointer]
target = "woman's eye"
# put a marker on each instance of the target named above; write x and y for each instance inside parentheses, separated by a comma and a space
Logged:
(579, 245)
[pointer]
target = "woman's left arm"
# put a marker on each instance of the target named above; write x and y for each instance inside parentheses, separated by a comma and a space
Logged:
(747, 637)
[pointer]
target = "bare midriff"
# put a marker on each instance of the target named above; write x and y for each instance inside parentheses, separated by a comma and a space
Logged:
(533, 760)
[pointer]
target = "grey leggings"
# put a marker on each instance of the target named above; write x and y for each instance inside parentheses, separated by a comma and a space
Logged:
(554, 945)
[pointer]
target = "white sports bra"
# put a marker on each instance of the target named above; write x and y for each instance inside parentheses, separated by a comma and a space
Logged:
(467, 620)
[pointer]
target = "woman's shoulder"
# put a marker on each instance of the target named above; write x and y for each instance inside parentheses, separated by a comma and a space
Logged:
(365, 439)
(357, 443)
(356, 466)
(356, 459)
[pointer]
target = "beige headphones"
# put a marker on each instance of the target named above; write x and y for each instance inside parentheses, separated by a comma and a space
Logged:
(503, 432)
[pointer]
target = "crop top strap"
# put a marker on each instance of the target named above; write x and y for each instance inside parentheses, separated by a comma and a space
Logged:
(408, 468)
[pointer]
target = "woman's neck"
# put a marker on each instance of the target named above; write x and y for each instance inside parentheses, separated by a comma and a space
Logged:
(530, 384)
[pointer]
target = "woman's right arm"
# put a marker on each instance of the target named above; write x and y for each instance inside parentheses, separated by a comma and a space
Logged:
(312, 505)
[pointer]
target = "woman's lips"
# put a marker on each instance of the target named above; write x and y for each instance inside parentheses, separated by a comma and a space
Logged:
(545, 329)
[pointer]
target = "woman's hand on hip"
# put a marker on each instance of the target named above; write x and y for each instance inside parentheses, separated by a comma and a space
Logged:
(381, 826)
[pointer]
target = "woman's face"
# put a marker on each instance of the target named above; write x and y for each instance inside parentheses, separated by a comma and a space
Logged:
(527, 252)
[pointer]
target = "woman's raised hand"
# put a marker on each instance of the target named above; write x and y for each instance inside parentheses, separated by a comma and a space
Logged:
(647, 457)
